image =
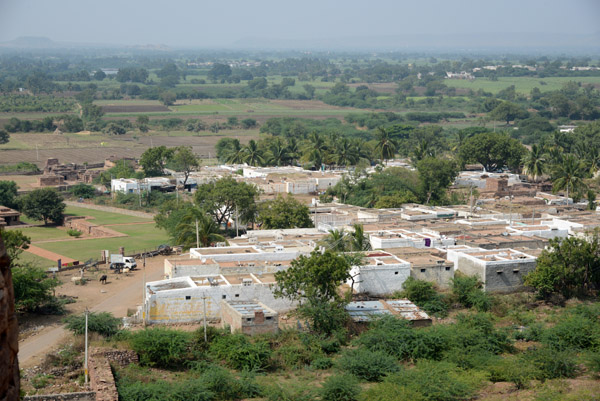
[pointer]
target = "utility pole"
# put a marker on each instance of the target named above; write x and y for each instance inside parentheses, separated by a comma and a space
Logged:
(204, 301)
(237, 231)
(85, 373)
(197, 235)
(37, 152)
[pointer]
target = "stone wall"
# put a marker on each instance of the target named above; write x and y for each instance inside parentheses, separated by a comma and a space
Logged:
(82, 396)
(9, 333)
(101, 377)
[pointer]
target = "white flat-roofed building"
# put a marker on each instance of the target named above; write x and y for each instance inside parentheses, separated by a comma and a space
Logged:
(125, 185)
(500, 270)
(382, 274)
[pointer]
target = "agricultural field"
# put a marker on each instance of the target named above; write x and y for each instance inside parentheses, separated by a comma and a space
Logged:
(522, 85)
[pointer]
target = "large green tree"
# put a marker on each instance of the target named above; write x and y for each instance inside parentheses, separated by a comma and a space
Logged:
(534, 163)
(570, 267)
(8, 193)
(493, 151)
(225, 197)
(283, 212)
(386, 145)
(314, 282)
(435, 176)
(185, 161)
(44, 204)
(4, 137)
(153, 160)
(15, 242)
(507, 111)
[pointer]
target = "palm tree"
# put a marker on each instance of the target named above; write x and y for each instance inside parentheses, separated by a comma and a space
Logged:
(293, 150)
(534, 163)
(569, 175)
(253, 154)
(386, 145)
(359, 241)
(422, 151)
(336, 241)
(345, 153)
(235, 153)
(207, 233)
(315, 150)
(278, 153)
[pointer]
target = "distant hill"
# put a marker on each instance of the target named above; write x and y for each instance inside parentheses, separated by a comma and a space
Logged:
(33, 42)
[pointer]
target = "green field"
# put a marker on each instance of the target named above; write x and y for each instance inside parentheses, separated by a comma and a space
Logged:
(522, 84)
(102, 218)
(45, 233)
(141, 236)
(27, 257)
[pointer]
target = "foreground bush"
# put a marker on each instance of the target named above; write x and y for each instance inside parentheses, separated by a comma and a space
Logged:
(575, 331)
(189, 390)
(340, 388)
(468, 291)
(423, 294)
(368, 365)
(435, 381)
(161, 347)
(240, 353)
(103, 323)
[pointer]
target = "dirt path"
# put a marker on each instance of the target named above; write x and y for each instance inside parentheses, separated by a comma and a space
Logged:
(48, 255)
(117, 296)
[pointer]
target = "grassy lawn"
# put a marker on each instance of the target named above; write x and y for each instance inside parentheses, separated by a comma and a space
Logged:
(45, 233)
(27, 257)
(101, 218)
(141, 236)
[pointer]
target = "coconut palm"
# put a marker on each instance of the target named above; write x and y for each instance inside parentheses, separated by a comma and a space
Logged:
(315, 150)
(569, 175)
(422, 151)
(278, 153)
(208, 230)
(235, 153)
(345, 153)
(534, 163)
(386, 145)
(336, 241)
(359, 241)
(253, 154)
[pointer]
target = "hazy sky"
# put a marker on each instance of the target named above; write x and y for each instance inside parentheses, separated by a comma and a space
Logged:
(220, 23)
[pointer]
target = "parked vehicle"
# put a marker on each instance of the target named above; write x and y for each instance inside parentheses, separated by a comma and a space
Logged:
(127, 261)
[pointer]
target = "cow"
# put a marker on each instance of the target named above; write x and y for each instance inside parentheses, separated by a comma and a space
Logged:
(103, 278)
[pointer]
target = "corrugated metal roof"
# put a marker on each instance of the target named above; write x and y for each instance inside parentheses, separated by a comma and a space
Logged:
(364, 311)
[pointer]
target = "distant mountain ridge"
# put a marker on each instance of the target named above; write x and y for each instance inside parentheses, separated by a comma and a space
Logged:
(42, 42)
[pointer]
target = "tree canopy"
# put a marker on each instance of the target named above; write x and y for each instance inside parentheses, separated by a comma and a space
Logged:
(493, 150)
(153, 160)
(224, 197)
(44, 204)
(283, 212)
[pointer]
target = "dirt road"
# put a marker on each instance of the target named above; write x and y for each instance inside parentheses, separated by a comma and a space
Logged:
(117, 296)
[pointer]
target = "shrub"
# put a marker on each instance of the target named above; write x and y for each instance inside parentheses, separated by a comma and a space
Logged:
(240, 353)
(387, 391)
(575, 331)
(41, 380)
(221, 382)
(291, 392)
(321, 363)
(424, 295)
(189, 390)
(439, 381)
(551, 363)
(513, 370)
(469, 293)
(103, 323)
(340, 388)
(533, 332)
(161, 347)
(74, 233)
(592, 361)
(368, 365)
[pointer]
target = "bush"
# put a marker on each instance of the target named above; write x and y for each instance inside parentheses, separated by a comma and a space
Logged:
(533, 332)
(387, 391)
(575, 331)
(103, 323)
(424, 295)
(340, 388)
(469, 293)
(74, 233)
(439, 381)
(82, 190)
(513, 370)
(161, 347)
(368, 365)
(189, 390)
(551, 363)
(321, 363)
(240, 353)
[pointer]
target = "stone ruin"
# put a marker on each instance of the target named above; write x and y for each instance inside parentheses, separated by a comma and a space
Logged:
(55, 174)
